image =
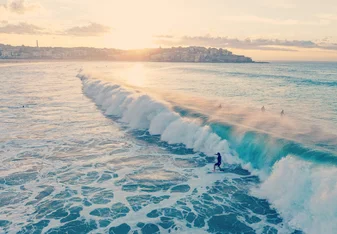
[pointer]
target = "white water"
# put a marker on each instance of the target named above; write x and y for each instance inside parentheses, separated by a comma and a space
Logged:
(303, 192)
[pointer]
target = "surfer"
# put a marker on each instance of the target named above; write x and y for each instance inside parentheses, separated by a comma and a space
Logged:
(219, 161)
(282, 112)
(263, 109)
(220, 106)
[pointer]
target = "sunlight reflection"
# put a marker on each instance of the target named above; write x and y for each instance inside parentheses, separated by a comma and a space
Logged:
(136, 75)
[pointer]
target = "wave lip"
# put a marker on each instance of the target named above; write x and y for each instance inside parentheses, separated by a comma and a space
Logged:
(140, 111)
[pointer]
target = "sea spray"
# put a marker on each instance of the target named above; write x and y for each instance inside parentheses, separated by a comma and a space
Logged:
(140, 111)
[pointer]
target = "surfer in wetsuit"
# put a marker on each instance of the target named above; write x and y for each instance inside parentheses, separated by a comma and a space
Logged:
(263, 109)
(218, 162)
(282, 112)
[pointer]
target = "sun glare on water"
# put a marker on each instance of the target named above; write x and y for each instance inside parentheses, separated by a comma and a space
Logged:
(136, 75)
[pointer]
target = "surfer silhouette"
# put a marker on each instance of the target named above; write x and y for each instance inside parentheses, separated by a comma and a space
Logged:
(218, 162)
(282, 112)
(263, 109)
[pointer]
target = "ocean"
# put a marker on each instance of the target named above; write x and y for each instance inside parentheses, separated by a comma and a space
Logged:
(117, 147)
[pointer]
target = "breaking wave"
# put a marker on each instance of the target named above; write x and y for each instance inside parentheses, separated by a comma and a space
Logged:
(298, 179)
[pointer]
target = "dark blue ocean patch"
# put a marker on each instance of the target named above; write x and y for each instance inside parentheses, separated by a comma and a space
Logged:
(86, 202)
(74, 214)
(172, 212)
(140, 224)
(101, 212)
(181, 188)
(154, 214)
(18, 178)
(104, 223)
(47, 207)
(235, 170)
(150, 229)
(74, 227)
(252, 219)
(45, 193)
(35, 227)
(58, 214)
(269, 230)
(121, 229)
(103, 197)
(4, 223)
(199, 222)
(104, 177)
(228, 223)
(117, 210)
(166, 222)
(190, 217)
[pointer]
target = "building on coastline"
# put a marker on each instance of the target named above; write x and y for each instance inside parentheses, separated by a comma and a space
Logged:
(193, 54)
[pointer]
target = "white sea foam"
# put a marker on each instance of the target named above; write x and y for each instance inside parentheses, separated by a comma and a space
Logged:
(304, 193)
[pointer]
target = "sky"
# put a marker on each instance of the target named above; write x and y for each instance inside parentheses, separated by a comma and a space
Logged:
(304, 30)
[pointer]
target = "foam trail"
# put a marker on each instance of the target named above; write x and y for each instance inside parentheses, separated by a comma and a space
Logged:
(140, 111)
(304, 194)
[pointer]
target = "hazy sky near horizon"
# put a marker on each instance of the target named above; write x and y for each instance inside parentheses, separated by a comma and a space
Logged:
(261, 29)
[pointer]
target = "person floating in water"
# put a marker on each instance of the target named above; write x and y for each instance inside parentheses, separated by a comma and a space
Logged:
(282, 112)
(218, 162)
(263, 109)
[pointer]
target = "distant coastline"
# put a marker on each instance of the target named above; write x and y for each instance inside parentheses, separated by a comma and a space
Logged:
(192, 54)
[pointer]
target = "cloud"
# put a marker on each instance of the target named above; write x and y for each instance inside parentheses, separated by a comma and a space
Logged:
(264, 20)
(330, 17)
(93, 29)
(279, 4)
(253, 18)
(21, 28)
(249, 44)
(19, 6)
(163, 36)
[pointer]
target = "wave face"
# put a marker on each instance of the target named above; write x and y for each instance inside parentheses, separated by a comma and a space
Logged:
(294, 175)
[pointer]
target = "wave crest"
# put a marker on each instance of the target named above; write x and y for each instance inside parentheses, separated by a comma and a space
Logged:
(140, 111)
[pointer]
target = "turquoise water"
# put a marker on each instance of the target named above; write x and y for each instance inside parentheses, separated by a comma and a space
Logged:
(129, 148)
